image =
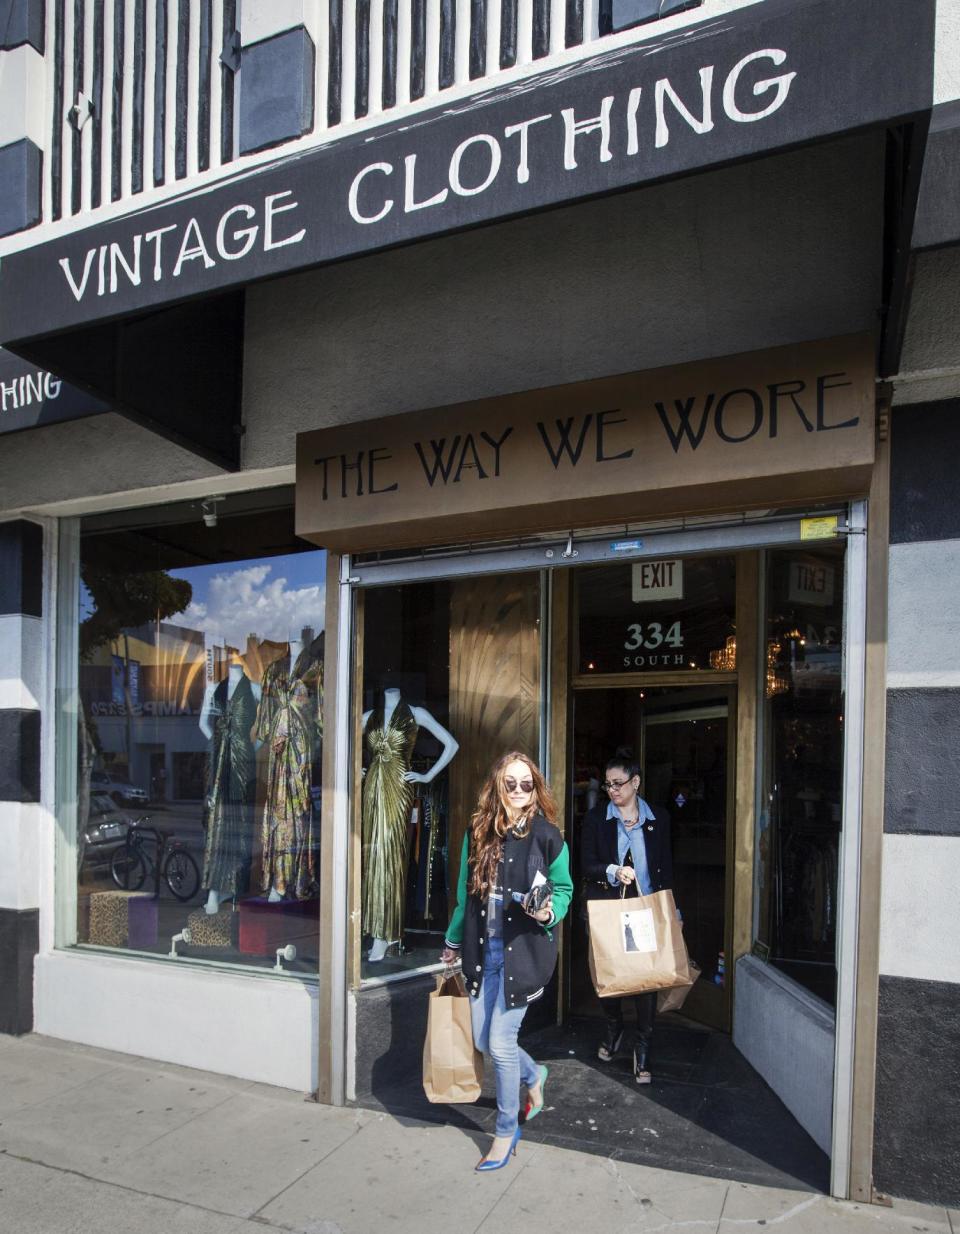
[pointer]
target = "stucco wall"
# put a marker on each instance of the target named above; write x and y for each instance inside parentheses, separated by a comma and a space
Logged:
(749, 257)
(946, 79)
(106, 454)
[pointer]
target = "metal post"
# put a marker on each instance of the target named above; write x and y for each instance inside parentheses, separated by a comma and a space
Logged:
(848, 879)
(333, 1044)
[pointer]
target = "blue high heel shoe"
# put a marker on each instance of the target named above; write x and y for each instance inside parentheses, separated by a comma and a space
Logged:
(533, 1110)
(488, 1164)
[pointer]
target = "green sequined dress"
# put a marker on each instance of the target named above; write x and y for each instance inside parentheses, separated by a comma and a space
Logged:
(387, 800)
(233, 782)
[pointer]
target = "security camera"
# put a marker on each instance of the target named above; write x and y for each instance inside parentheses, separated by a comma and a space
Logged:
(208, 509)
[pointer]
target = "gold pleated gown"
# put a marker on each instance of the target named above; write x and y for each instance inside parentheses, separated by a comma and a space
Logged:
(387, 799)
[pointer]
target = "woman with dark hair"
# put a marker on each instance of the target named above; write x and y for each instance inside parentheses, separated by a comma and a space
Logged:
(625, 841)
(509, 952)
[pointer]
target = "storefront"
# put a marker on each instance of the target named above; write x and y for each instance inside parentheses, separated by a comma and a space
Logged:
(714, 641)
(661, 560)
(613, 473)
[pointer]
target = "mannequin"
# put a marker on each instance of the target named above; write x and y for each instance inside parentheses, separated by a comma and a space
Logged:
(286, 724)
(389, 736)
(226, 719)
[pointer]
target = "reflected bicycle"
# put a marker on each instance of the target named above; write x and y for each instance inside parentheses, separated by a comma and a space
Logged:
(172, 861)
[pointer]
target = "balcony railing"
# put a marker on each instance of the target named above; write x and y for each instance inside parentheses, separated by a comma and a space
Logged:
(144, 93)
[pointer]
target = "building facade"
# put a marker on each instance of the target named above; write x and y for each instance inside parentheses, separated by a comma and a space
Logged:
(386, 385)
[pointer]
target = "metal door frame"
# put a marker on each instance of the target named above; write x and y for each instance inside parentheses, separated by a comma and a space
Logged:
(681, 537)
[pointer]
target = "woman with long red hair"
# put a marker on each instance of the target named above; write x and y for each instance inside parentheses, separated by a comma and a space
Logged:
(504, 935)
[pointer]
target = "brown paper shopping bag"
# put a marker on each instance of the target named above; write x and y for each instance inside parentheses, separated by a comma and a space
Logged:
(636, 945)
(452, 1068)
(673, 1000)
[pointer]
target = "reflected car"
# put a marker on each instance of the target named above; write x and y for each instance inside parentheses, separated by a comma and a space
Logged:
(122, 791)
(105, 831)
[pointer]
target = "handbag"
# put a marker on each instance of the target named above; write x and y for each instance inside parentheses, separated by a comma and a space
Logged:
(636, 945)
(452, 1066)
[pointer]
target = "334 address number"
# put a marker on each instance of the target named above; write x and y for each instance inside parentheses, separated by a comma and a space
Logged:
(650, 635)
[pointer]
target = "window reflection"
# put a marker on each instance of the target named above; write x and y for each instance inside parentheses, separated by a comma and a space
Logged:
(800, 818)
(199, 736)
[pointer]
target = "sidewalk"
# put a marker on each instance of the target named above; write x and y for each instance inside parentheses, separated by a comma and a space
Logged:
(99, 1143)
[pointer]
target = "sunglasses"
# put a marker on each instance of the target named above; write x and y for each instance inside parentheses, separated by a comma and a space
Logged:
(511, 785)
(611, 785)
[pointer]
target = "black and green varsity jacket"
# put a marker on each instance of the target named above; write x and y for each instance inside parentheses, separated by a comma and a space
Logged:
(529, 947)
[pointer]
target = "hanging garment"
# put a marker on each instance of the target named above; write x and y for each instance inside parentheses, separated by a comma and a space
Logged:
(286, 724)
(309, 670)
(233, 780)
(387, 799)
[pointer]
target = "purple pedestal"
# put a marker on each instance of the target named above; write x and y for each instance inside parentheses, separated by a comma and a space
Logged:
(143, 921)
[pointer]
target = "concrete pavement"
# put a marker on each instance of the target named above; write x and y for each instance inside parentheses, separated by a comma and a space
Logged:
(99, 1143)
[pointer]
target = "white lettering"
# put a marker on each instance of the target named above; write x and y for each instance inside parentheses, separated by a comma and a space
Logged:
(269, 210)
(11, 392)
(247, 234)
(51, 386)
(154, 237)
(495, 158)
(102, 271)
(78, 290)
(523, 128)
(633, 103)
(191, 253)
(780, 84)
(664, 89)
(409, 189)
(116, 256)
(573, 128)
(353, 204)
(34, 388)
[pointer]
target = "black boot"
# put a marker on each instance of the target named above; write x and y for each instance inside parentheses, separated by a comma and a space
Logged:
(641, 1067)
(612, 1040)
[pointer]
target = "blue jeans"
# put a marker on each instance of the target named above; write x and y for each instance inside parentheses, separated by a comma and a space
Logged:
(495, 1030)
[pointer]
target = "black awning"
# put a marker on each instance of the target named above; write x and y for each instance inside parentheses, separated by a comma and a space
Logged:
(740, 85)
(938, 210)
(31, 396)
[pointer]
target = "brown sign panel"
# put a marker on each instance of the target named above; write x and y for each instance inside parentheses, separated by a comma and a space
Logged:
(790, 424)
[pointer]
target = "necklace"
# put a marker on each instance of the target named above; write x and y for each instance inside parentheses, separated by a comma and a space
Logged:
(519, 828)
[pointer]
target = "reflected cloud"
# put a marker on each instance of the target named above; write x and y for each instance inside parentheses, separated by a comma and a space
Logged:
(248, 601)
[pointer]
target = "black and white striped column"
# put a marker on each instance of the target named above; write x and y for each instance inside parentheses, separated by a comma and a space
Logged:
(917, 1144)
(22, 114)
(22, 655)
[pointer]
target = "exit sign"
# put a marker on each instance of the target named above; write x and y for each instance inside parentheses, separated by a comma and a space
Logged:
(658, 580)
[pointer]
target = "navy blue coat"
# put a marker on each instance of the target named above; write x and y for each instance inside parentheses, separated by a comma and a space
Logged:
(598, 849)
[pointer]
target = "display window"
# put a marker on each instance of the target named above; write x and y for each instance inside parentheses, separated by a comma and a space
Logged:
(801, 766)
(198, 641)
(451, 680)
(671, 615)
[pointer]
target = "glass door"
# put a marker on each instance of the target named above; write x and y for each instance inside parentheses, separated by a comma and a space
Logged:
(681, 735)
(685, 756)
